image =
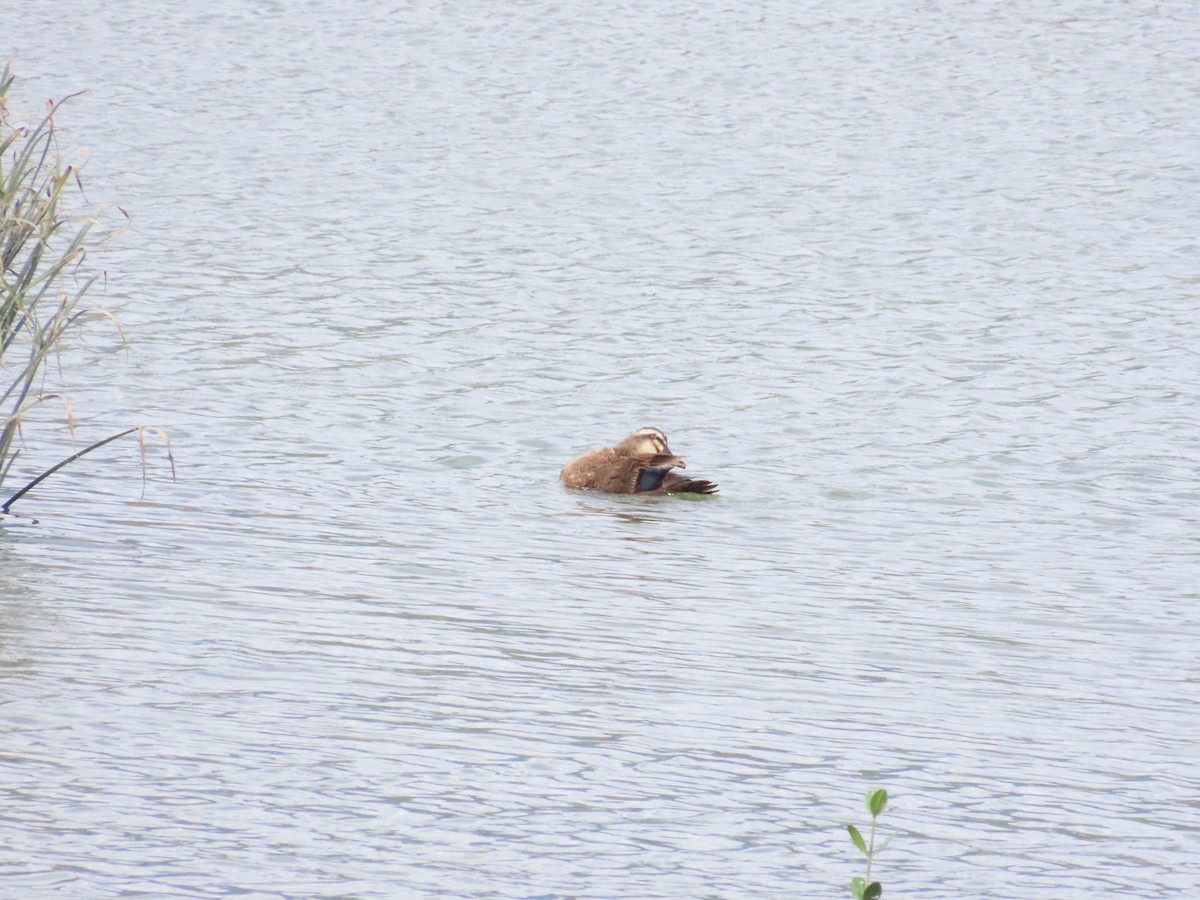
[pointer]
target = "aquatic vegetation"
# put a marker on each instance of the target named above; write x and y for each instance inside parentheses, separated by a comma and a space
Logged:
(43, 279)
(863, 887)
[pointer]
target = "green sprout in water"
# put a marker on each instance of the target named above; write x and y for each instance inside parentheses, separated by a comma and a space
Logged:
(864, 888)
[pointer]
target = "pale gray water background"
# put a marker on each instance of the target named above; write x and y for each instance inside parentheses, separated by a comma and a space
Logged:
(916, 284)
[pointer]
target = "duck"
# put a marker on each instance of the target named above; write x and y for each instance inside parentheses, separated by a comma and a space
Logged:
(642, 463)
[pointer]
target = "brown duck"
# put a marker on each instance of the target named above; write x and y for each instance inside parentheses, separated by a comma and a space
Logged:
(640, 464)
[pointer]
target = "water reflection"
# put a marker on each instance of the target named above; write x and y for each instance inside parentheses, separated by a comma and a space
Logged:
(18, 602)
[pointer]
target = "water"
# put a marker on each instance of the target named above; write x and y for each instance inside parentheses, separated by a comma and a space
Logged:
(915, 285)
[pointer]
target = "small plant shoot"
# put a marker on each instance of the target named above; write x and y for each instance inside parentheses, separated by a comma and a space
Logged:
(862, 887)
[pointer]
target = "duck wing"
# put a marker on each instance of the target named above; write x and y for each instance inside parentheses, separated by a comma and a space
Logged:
(650, 472)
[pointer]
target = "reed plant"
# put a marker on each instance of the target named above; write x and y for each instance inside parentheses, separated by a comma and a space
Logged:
(43, 277)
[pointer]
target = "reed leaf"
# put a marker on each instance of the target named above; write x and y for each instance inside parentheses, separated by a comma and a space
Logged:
(43, 285)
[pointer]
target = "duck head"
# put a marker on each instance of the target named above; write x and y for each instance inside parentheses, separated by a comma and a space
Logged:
(651, 442)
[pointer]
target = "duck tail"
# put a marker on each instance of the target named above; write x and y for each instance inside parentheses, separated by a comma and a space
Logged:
(683, 485)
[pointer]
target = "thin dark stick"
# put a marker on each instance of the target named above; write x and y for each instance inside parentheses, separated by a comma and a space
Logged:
(70, 459)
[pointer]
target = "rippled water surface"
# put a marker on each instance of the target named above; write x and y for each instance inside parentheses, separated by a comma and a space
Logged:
(917, 284)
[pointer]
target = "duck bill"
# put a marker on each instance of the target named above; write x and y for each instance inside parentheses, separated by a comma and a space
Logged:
(668, 460)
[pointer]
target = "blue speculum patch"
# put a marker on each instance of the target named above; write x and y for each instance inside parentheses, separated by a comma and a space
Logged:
(651, 478)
